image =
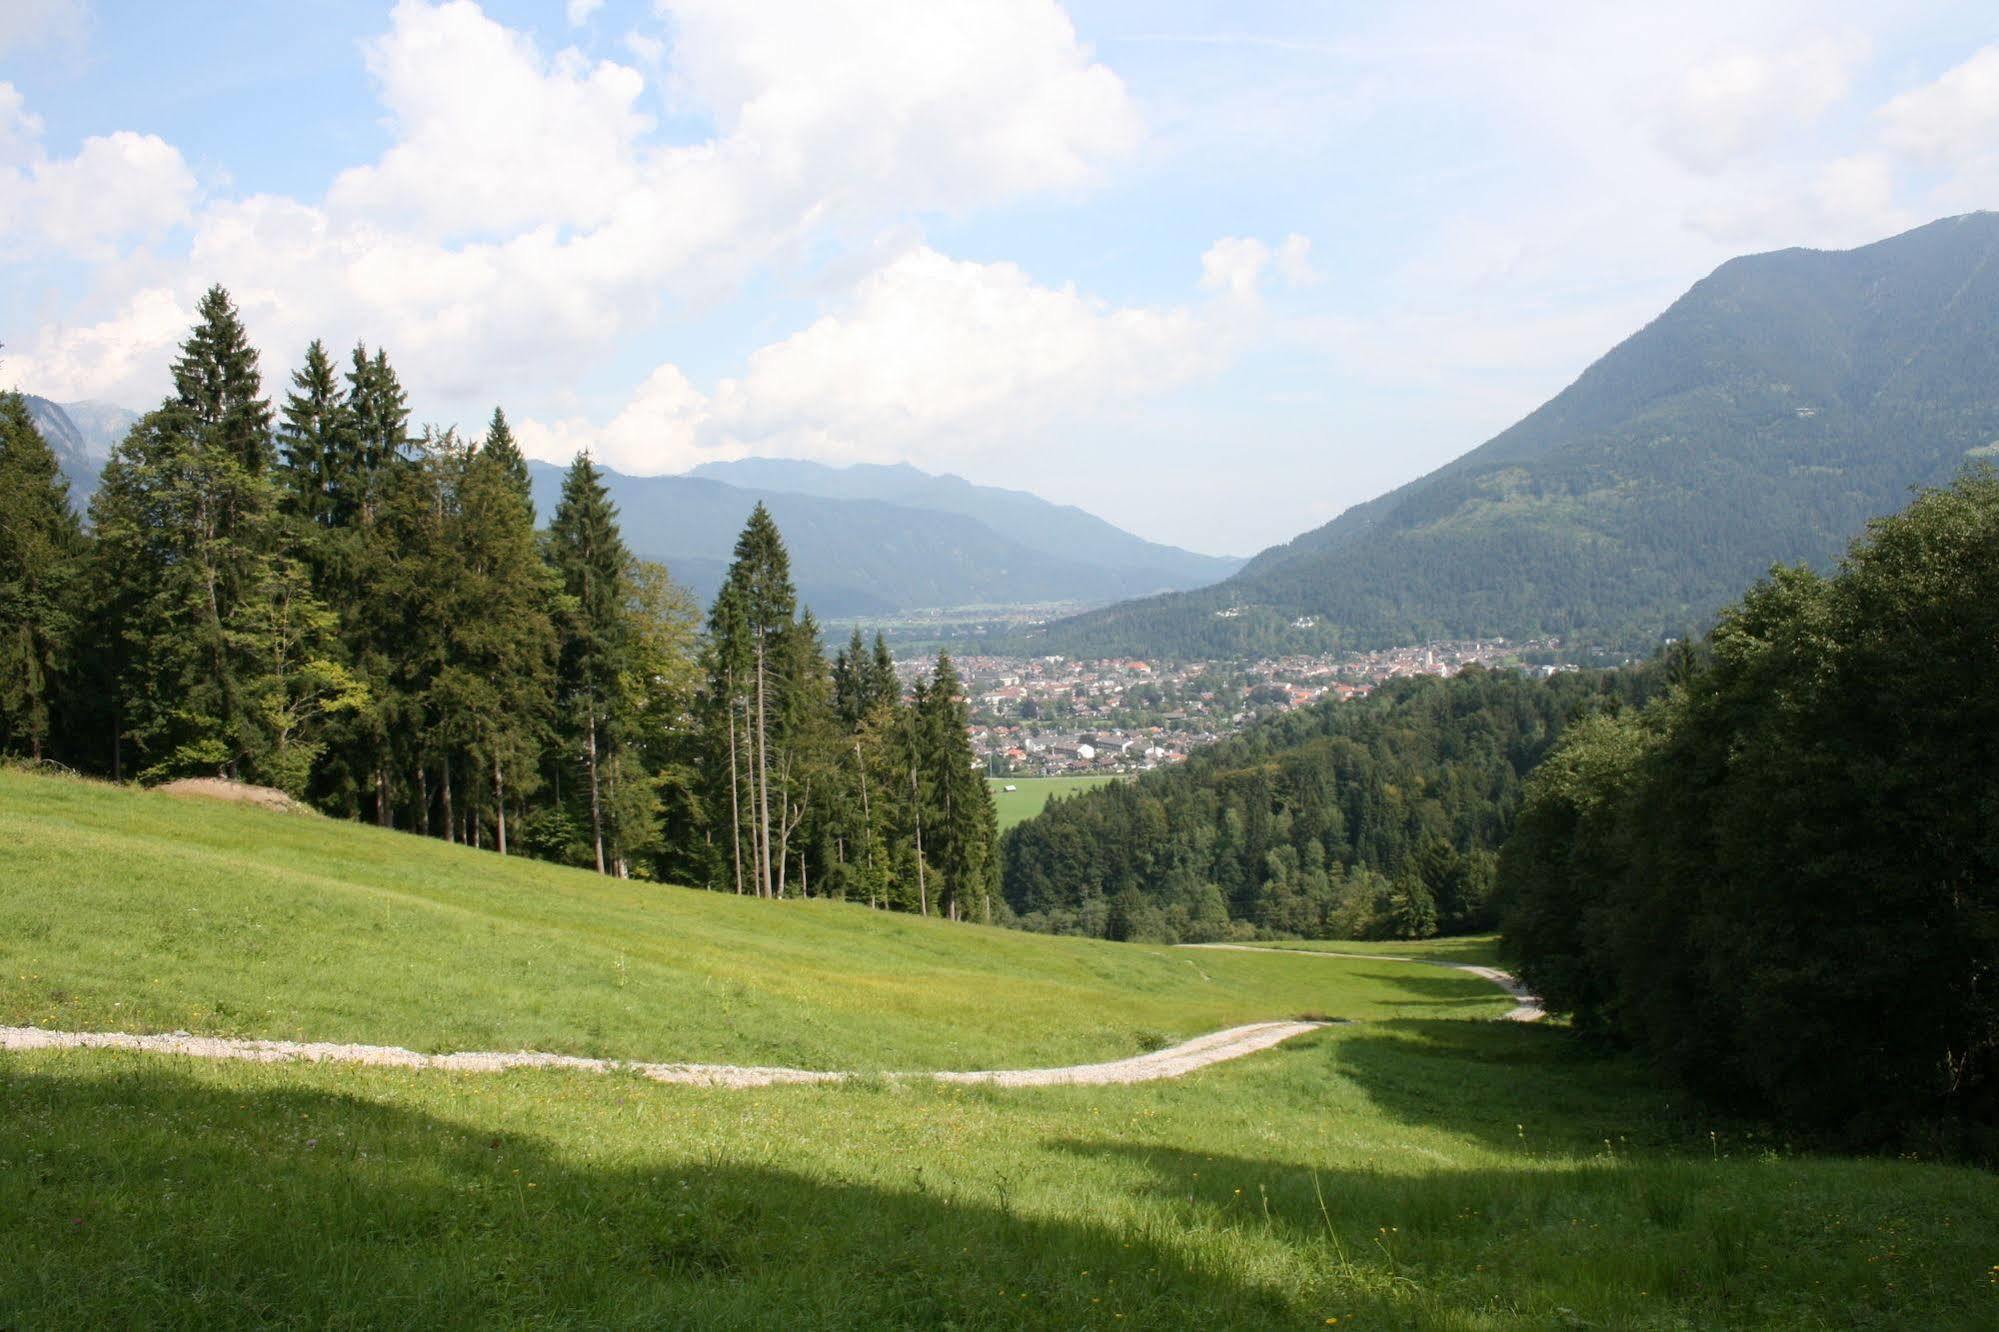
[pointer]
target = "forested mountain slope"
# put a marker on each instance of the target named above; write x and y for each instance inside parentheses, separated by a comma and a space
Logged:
(858, 556)
(82, 435)
(1375, 818)
(1786, 399)
(1054, 529)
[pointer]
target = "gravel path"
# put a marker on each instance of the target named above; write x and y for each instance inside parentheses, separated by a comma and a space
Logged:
(1172, 1062)
(1527, 1009)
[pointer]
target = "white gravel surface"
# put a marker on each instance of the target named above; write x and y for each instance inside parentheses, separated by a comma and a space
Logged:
(1168, 1063)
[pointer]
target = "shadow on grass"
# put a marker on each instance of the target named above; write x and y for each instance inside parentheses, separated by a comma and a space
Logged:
(148, 1198)
(1519, 1088)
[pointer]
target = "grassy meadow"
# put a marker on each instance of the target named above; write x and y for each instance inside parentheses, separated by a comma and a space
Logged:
(1032, 795)
(137, 911)
(1478, 950)
(1410, 1169)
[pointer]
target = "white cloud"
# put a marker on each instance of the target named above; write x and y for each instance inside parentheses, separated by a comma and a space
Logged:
(1741, 99)
(109, 358)
(578, 12)
(490, 135)
(1954, 119)
(928, 358)
(118, 187)
(1234, 264)
(527, 211)
(30, 23)
(1294, 261)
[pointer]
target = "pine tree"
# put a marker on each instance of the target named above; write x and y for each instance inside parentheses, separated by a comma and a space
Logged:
(218, 388)
(379, 411)
(41, 545)
(960, 843)
(187, 524)
(316, 442)
(726, 712)
(502, 638)
(760, 608)
(595, 571)
(506, 451)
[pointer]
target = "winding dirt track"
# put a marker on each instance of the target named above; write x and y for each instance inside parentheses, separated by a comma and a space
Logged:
(1527, 1009)
(1172, 1062)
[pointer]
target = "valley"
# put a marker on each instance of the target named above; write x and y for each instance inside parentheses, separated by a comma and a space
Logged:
(1417, 1167)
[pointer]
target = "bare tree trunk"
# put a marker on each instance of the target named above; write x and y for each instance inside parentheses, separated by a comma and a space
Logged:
(735, 805)
(763, 782)
(596, 804)
(916, 806)
(867, 825)
(499, 808)
(444, 791)
(384, 816)
(423, 799)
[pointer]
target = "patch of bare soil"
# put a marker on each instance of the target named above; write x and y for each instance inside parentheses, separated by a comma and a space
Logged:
(241, 793)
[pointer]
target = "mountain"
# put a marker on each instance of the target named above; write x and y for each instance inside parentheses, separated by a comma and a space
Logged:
(82, 435)
(1062, 530)
(853, 555)
(1782, 402)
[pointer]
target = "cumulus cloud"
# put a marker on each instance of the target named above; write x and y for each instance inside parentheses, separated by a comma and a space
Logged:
(1741, 99)
(1954, 119)
(929, 358)
(1236, 264)
(528, 211)
(116, 188)
(491, 136)
(578, 12)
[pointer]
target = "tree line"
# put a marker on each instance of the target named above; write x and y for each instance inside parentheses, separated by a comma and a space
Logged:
(1378, 818)
(320, 600)
(1780, 881)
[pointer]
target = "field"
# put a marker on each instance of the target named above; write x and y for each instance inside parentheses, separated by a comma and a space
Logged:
(1411, 1169)
(1033, 795)
(1481, 950)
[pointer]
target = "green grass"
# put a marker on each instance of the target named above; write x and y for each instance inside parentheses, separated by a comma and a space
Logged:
(1033, 794)
(137, 911)
(1411, 1171)
(1480, 950)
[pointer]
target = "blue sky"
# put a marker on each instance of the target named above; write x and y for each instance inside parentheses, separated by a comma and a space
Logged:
(1215, 271)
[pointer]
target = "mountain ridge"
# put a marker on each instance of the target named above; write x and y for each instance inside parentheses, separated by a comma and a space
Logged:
(1763, 417)
(852, 557)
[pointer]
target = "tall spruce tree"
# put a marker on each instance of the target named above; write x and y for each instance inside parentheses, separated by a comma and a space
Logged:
(41, 546)
(506, 450)
(316, 442)
(595, 573)
(502, 637)
(379, 411)
(962, 823)
(188, 533)
(756, 611)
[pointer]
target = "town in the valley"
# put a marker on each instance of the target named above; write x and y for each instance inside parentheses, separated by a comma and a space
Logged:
(1057, 716)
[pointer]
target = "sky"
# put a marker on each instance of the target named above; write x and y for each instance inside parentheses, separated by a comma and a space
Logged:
(1215, 271)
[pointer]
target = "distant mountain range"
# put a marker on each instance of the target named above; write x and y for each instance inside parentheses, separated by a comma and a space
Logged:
(82, 435)
(1771, 411)
(873, 540)
(864, 541)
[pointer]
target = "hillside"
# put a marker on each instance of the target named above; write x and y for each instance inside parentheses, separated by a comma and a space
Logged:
(299, 927)
(82, 435)
(1375, 818)
(857, 556)
(1417, 1170)
(1053, 529)
(1764, 417)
